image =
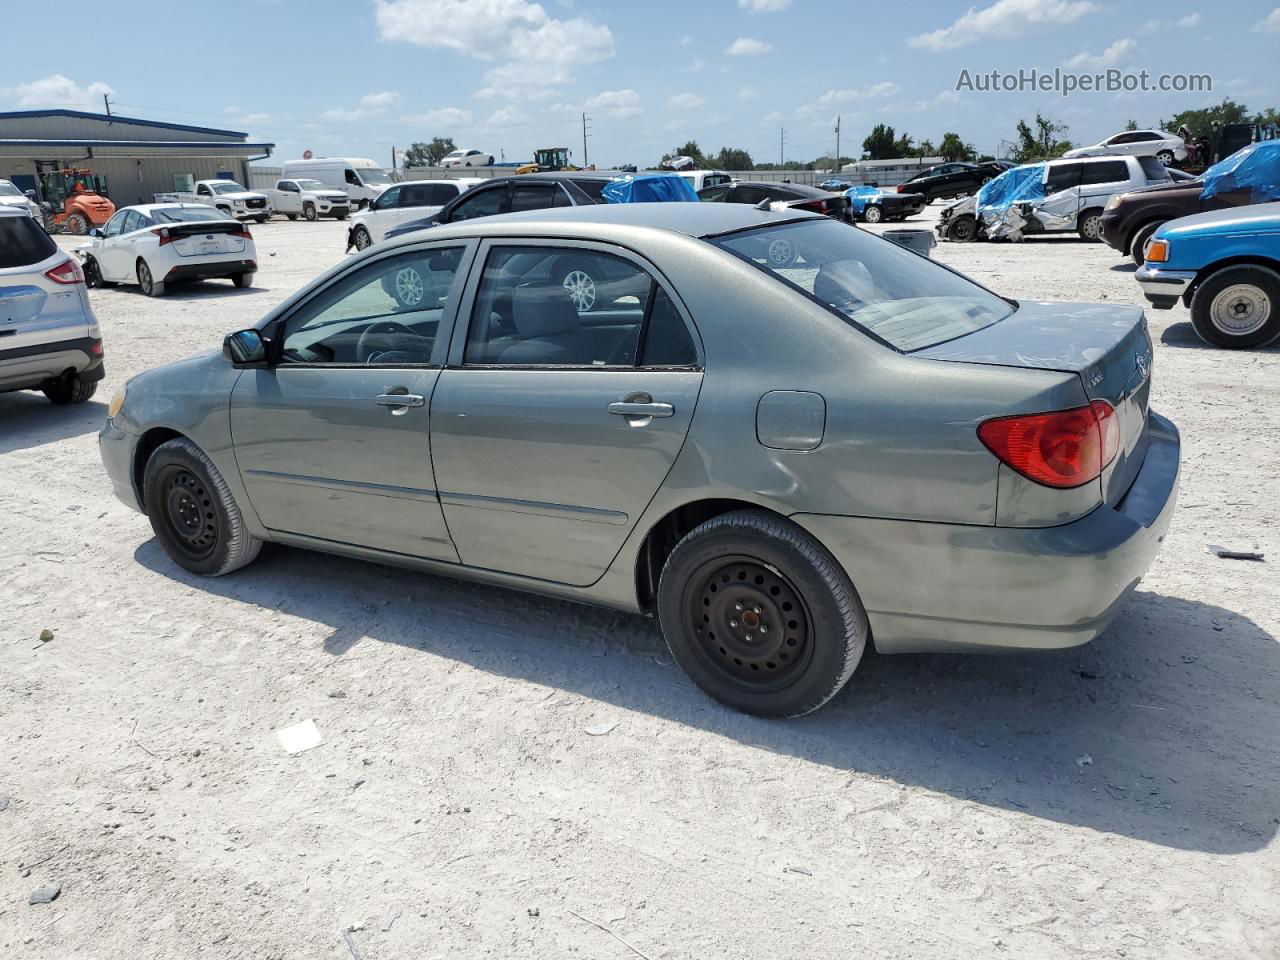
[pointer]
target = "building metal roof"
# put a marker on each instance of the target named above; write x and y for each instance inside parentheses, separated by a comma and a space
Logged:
(77, 149)
(117, 118)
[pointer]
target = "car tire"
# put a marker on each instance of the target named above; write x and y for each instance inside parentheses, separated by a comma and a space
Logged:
(1138, 245)
(263, 219)
(68, 390)
(93, 275)
(963, 229)
(361, 239)
(1089, 226)
(242, 280)
(740, 573)
(340, 216)
(577, 279)
(1166, 157)
(1237, 307)
(872, 214)
(292, 216)
(226, 210)
(146, 282)
(309, 212)
(193, 513)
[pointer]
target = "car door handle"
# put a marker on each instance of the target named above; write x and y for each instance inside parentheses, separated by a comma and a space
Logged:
(626, 408)
(399, 402)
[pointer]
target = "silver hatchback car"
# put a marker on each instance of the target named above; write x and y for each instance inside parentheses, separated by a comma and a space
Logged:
(783, 463)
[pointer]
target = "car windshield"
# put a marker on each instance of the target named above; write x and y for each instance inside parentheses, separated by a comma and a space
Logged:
(897, 296)
(7, 189)
(373, 175)
(186, 214)
(228, 186)
(309, 185)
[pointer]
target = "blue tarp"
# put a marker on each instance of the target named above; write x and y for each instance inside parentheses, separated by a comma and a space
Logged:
(1255, 168)
(1015, 185)
(859, 195)
(649, 188)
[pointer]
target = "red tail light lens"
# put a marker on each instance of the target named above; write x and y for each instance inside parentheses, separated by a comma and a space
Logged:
(1063, 449)
(68, 273)
(901, 188)
(164, 235)
(243, 233)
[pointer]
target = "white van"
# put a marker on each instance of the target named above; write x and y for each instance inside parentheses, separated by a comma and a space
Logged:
(1077, 191)
(705, 178)
(360, 178)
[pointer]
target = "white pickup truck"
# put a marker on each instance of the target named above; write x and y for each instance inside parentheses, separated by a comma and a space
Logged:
(309, 198)
(228, 196)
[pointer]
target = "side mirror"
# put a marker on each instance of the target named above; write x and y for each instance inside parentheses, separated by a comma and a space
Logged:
(95, 232)
(30, 194)
(244, 348)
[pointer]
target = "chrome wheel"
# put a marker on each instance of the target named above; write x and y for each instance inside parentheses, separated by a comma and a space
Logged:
(409, 287)
(581, 289)
(781, 253)
(1091, 227)
(871, 214)
(363, 240)
(1240, 310)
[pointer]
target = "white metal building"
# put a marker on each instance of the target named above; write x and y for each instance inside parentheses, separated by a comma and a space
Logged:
(138, 157)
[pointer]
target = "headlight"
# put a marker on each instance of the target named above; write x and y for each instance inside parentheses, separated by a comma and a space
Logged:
(1113, 202)
(116, 403)
(1157, 251)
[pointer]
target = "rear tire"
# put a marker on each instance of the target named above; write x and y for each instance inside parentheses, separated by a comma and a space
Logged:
(1138, 246)
(78, 224)
(193, 513)
(1165, 157)
(760, 616)
(309, 212)
(262, 219)
(1238, 307)
(292, 216)
(1089, 226)
(68, 390)
(242, 280)
(872, 214)
(149, 284)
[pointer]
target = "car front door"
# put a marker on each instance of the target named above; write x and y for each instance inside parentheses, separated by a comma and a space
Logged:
(107, 248)
(384, 213)
(332, 438)
(1061, 204)
(556, 420)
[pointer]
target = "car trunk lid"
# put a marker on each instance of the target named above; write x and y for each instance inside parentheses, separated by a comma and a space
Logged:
(213, 238)
(1107, 346)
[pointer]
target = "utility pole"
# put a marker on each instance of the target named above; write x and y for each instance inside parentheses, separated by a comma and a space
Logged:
(585, 118)
(837, 169)
(106, 104)
(782, 147)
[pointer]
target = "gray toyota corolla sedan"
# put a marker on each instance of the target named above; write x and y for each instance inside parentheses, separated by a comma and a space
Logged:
(780, 434)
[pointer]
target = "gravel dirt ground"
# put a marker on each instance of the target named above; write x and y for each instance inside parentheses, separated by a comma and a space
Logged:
(499, 769)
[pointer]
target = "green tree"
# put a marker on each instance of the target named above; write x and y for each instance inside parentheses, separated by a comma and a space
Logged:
(1041, 143)
(904, 146)
(1268, 117)
(879, 144)
(1204, 121)
(1131, 125)
(953, 149)
(428, 154)
(732, 158)
(828, 162)
(690, 149)
(925, 148)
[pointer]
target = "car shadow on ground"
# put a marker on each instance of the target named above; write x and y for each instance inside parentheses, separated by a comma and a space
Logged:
(1184, 335)
(28, 419)
(1125, 268)
(1162, 730)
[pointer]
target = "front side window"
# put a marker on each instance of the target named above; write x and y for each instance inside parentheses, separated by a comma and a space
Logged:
(203, 190)
(351, 178)
(748, 193)
(479, 203)
(132, 222)
(717, 194)
(905, 300)
(553, 306)
(388, 199)
(386, 313)
(116, 224)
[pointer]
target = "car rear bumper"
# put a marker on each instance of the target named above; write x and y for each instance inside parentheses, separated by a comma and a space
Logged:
(944, 587)
(23, 368)
(117, 450)
(209, 269)
(1164, 288)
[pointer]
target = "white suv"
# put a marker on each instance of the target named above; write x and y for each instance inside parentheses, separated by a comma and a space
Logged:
(410, 200)
(1076, 191)
(1168, 148)
(49, 337)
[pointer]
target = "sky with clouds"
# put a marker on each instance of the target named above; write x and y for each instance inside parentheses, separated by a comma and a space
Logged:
(357, 77)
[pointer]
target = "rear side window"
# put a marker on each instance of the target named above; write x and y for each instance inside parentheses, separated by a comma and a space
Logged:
(479, 203)
(667, 342)
(1062, 176)
(23, 242)
(592, 188)
(442, 193)
(530, 196)
(1155, 171)
(415, 195)
(1108, 171)
(748, 193)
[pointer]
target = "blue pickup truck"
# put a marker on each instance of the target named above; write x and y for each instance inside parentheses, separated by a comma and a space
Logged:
(1225, 266)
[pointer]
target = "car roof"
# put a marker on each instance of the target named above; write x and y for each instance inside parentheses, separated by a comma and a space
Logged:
(149, 208)
(691, 219)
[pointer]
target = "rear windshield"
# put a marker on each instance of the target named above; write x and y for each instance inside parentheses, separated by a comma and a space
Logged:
(897, 296)
(186, 214)
(23, 242)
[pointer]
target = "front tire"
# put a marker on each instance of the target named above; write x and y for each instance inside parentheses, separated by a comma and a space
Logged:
(149, 284)
(362, 239)
(192, 512)
(292, 216)
(760, 616)
(872, 214)
(963, 229)
(1238, 307)
(309, 212)
(68, 390)
(1138, 247)
(1090, 226)
(262, 219)
(93, 275)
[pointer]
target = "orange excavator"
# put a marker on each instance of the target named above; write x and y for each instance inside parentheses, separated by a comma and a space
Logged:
(74, 200)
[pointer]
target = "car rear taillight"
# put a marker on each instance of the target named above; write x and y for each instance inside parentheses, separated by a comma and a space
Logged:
(1066, 448)
(901, 188)
(164, 235)
(243, 233)
(68, 272)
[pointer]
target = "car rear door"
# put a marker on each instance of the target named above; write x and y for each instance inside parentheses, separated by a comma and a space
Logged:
(1060, 208)
(551, 429)
(332, 439)
(1102, 178)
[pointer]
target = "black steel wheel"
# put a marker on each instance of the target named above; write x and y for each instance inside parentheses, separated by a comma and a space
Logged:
(192, 511)
(962, 229)
(759, 615)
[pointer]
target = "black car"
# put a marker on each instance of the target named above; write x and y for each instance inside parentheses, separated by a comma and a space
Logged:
(779, 194)
(949, 180)
(529, 191)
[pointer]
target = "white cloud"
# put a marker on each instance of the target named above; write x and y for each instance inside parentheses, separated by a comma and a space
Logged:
(746, 46)
(747, 93)
(685, 101)
(764, 6)
(947, 98)
(255, 118)
(535, 51)
(616, 103)
(370, 105)
(442, 117)
(1003, 20)
(882, 89)
(504, 117)
(1270, 23)
(1107, 58)
(56, 90)
(696, 65)
(1190, 20)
